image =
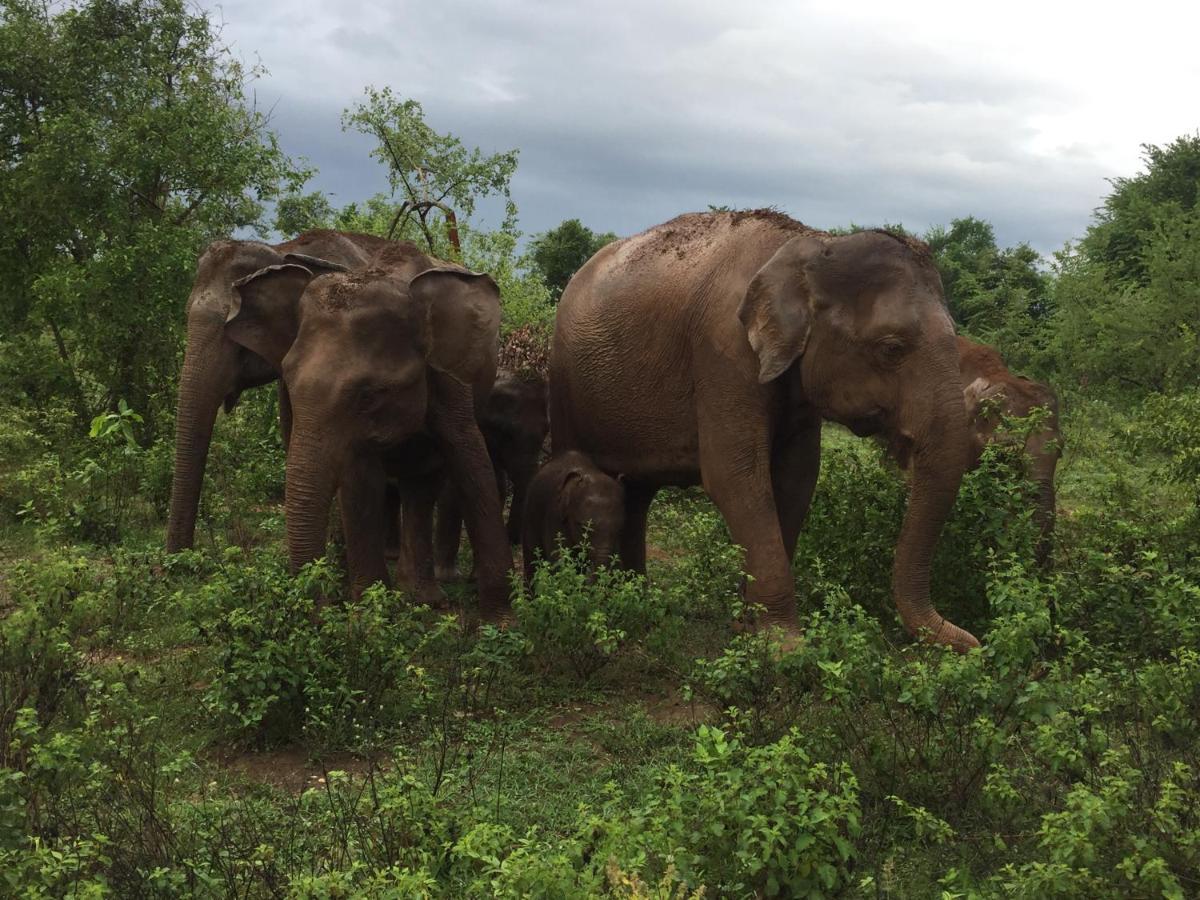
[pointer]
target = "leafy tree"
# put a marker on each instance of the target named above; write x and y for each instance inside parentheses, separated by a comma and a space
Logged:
(558, 253)
(1129, 292)
(426, 166)
(298, 212)
(125, 146)
(1000, 295)
(1127, 223)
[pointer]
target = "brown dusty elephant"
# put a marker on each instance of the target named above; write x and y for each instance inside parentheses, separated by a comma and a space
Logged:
(571, 500)
(514, 423)
(709, 349)
(384, 374)
(989, 390)
(216, 368)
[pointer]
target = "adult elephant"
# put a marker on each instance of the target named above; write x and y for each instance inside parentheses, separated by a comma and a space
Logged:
(387, 373)
(216, 368)
(710, 349)
(991, 390)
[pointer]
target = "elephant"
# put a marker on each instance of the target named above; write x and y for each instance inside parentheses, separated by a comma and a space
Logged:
(990, 389)
(515, 423)
(710, 349)
(216, 369)
(386, 373)
(570, 499)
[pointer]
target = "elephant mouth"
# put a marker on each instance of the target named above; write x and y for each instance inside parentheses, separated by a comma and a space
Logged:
(866, 426)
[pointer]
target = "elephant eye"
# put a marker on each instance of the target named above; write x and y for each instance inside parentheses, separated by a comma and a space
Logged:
(891, 350)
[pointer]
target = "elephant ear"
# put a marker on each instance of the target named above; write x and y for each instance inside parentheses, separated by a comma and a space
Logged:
(979, 391)
(463, 315)
(264, 316)
(777, 309)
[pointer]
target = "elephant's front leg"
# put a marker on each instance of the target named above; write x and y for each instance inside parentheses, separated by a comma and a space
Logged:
(735, 465)
(361, 497)
(452, 420)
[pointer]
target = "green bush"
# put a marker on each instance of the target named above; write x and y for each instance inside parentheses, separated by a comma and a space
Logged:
(740, 820)
(585, 618)
(339, 676)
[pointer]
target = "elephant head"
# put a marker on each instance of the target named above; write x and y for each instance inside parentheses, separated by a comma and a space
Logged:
(592, 507)
(860, 325)
(360, 374)
(990, 390)
(217, 369)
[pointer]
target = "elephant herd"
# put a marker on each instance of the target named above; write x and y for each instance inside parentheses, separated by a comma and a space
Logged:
(707, 350)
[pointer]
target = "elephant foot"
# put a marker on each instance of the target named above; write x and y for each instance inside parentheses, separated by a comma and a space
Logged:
(427, 593)
(448, 574)
(500, 615)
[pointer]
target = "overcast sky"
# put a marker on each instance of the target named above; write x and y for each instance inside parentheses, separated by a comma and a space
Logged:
(629, 112)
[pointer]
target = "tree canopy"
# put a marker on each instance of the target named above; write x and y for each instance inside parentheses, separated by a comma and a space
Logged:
(126, 144)
(558, 253)
(1129, 293)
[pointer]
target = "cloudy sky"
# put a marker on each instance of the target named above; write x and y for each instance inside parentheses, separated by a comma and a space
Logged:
(631, 111)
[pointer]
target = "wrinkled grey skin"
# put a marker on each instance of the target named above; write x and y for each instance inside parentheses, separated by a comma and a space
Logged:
(383, 376)
(217, 369)
(569, 499)
(514, 423)
(709, 349)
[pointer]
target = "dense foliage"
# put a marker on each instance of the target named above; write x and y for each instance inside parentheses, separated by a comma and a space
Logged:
(189, 725)
(125, 146)
(558, 253)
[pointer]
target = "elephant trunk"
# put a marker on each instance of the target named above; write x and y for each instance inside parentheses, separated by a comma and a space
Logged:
(939, 461)
(310, 485)
(202, 387)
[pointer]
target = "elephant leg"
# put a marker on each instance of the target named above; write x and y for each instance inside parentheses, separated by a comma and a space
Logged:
(448, 534)
(520, 476)
(633, 532)
(417, 501)
(795, 465)
(362, 506)
(391, 499)
(463, 447)
(735, 466)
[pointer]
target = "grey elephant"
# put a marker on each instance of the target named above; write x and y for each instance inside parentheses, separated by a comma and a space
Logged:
(386, 374)
(217, 368)
(709, 349)
(572, 501)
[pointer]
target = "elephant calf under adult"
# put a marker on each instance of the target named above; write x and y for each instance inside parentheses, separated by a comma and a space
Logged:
(572, 501)
(710, 348)
(384, 375)
(989, 390)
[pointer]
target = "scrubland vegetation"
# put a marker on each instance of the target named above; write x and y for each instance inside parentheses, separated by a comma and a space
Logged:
(186, 725)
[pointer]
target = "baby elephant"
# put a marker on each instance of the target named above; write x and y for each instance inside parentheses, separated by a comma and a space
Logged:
(567, 497)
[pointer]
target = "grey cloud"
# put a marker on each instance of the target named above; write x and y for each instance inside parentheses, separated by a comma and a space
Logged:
(630, 113)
